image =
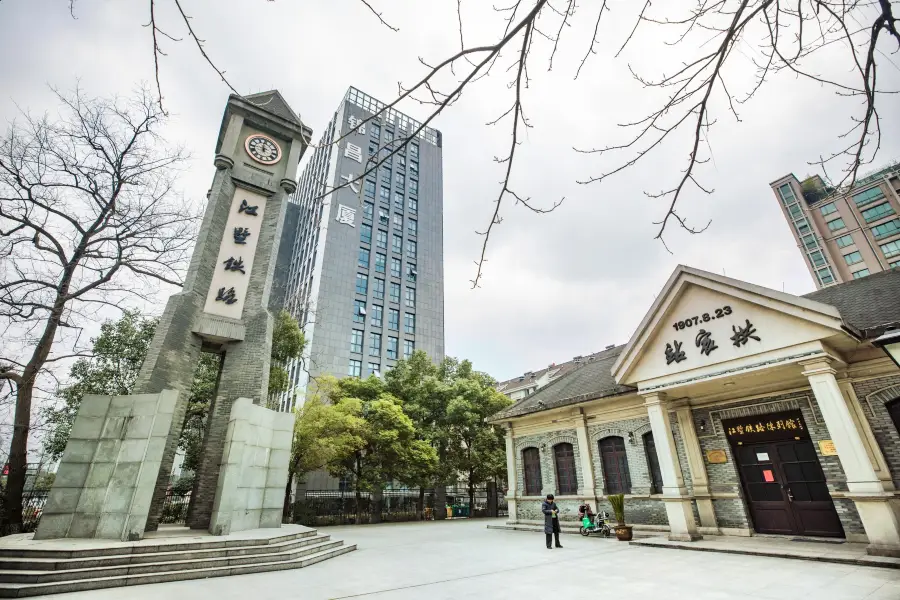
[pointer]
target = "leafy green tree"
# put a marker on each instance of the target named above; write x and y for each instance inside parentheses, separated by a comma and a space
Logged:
(288, 342)
(203, 388)
(118, 353)
(324, 434)
(391, 450)
(424, 389)
(476, 449)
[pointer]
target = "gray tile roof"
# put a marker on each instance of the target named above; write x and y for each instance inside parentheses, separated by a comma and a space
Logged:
(588, 380)
(869, 304)
(273, 102)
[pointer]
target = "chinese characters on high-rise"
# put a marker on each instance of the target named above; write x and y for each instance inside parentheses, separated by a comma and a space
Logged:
(353, 152)
(346, 215)
(357, 123)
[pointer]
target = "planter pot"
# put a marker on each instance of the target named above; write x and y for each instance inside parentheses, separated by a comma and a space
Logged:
(623, 533)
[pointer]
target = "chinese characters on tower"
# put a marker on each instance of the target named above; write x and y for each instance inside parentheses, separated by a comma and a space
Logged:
(227, 294)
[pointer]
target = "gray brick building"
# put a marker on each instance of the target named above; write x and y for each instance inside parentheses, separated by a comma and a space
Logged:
(366, 273)
(733, 410)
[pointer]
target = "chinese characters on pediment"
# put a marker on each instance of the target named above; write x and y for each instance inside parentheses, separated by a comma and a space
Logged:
(705, 339)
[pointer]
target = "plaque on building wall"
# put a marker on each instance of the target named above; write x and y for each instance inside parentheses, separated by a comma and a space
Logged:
(771, 427)
(716, 457)
(826, 447)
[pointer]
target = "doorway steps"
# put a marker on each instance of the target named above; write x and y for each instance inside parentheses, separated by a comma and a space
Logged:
(28, 572)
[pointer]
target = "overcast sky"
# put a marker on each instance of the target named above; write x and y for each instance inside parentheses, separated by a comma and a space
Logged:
(556, 285)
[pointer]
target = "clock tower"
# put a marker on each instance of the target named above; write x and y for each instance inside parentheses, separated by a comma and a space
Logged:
(113, 477)
(223, 307)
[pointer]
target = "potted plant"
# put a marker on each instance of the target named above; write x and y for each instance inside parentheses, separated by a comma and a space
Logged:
(623, 531)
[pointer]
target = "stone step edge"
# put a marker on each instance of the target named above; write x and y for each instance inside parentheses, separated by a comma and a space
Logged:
(565, 530)
(197, 554)
(167, 566)
(874, 561)
(23, 590)
(150, 548)
(563, 523)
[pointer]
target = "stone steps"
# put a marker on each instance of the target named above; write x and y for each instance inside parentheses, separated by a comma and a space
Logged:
(43, 563)
(57, 572)
(147, 546)
(568, 529)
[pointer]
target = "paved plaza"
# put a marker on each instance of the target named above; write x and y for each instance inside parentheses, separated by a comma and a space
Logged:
(462, 559)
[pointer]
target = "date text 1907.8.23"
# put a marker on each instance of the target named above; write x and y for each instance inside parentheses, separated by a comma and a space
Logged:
(704, 318)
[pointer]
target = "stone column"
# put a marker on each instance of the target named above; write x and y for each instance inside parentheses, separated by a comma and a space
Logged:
(682, 526)
(699, 478)
(879, 514)
(512, 474)
(587, 461)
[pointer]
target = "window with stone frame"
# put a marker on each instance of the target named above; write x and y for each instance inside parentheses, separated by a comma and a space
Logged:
(617, 479)
(531, 466)
(893, 408)
(566, 481)
(656, 482)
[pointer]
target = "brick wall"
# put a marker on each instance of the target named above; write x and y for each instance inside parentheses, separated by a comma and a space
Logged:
(873, 395)
(723, 478)
(544, 443)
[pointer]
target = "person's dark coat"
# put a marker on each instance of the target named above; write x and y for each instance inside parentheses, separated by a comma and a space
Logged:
(547, 508)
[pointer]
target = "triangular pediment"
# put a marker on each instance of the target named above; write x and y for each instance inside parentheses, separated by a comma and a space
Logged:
(273, 102)
(701, 319)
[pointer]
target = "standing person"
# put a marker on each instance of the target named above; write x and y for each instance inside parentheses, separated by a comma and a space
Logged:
(551, 520)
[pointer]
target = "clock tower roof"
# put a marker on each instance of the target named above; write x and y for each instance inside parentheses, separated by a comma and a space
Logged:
(273, 102)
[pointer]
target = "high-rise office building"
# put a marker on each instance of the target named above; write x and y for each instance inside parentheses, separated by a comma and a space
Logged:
(846, 233)
(366, 276)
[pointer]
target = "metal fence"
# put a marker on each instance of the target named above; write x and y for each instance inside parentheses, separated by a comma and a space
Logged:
(316, 508)
(175, 508)
(33, 502)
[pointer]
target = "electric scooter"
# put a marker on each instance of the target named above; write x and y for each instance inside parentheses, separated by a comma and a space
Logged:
(599, 526)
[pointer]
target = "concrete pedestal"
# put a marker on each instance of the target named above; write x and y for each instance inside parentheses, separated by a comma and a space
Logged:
(254, 469)
(106, 478)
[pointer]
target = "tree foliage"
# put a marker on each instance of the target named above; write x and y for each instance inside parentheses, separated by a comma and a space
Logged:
(118, 353)
(288, 343)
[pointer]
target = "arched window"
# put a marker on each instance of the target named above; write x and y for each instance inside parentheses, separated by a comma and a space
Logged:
(893, 408)
(656, 481)
(615, 465)
(564, 457)
(531, 462)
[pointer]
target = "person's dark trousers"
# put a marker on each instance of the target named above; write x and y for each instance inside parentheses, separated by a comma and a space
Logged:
(550, 540)
(555, 534)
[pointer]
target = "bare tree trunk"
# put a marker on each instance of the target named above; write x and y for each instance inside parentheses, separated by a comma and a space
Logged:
(471, 493)
(18, 456)
(420, 505)
(286, 511)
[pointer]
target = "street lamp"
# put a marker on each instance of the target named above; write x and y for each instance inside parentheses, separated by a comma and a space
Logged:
(890, 343)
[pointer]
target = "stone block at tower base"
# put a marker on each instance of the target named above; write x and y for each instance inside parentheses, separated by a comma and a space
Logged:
(254, 469)
(107, 473)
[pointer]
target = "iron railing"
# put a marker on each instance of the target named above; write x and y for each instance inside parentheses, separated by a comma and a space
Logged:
(316, 508)
(33, 502)
(175, 508)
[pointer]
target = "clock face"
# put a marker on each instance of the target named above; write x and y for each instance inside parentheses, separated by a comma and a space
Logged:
(263, 149)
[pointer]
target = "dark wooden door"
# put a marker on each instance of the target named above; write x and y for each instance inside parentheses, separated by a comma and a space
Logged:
(786, 489)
